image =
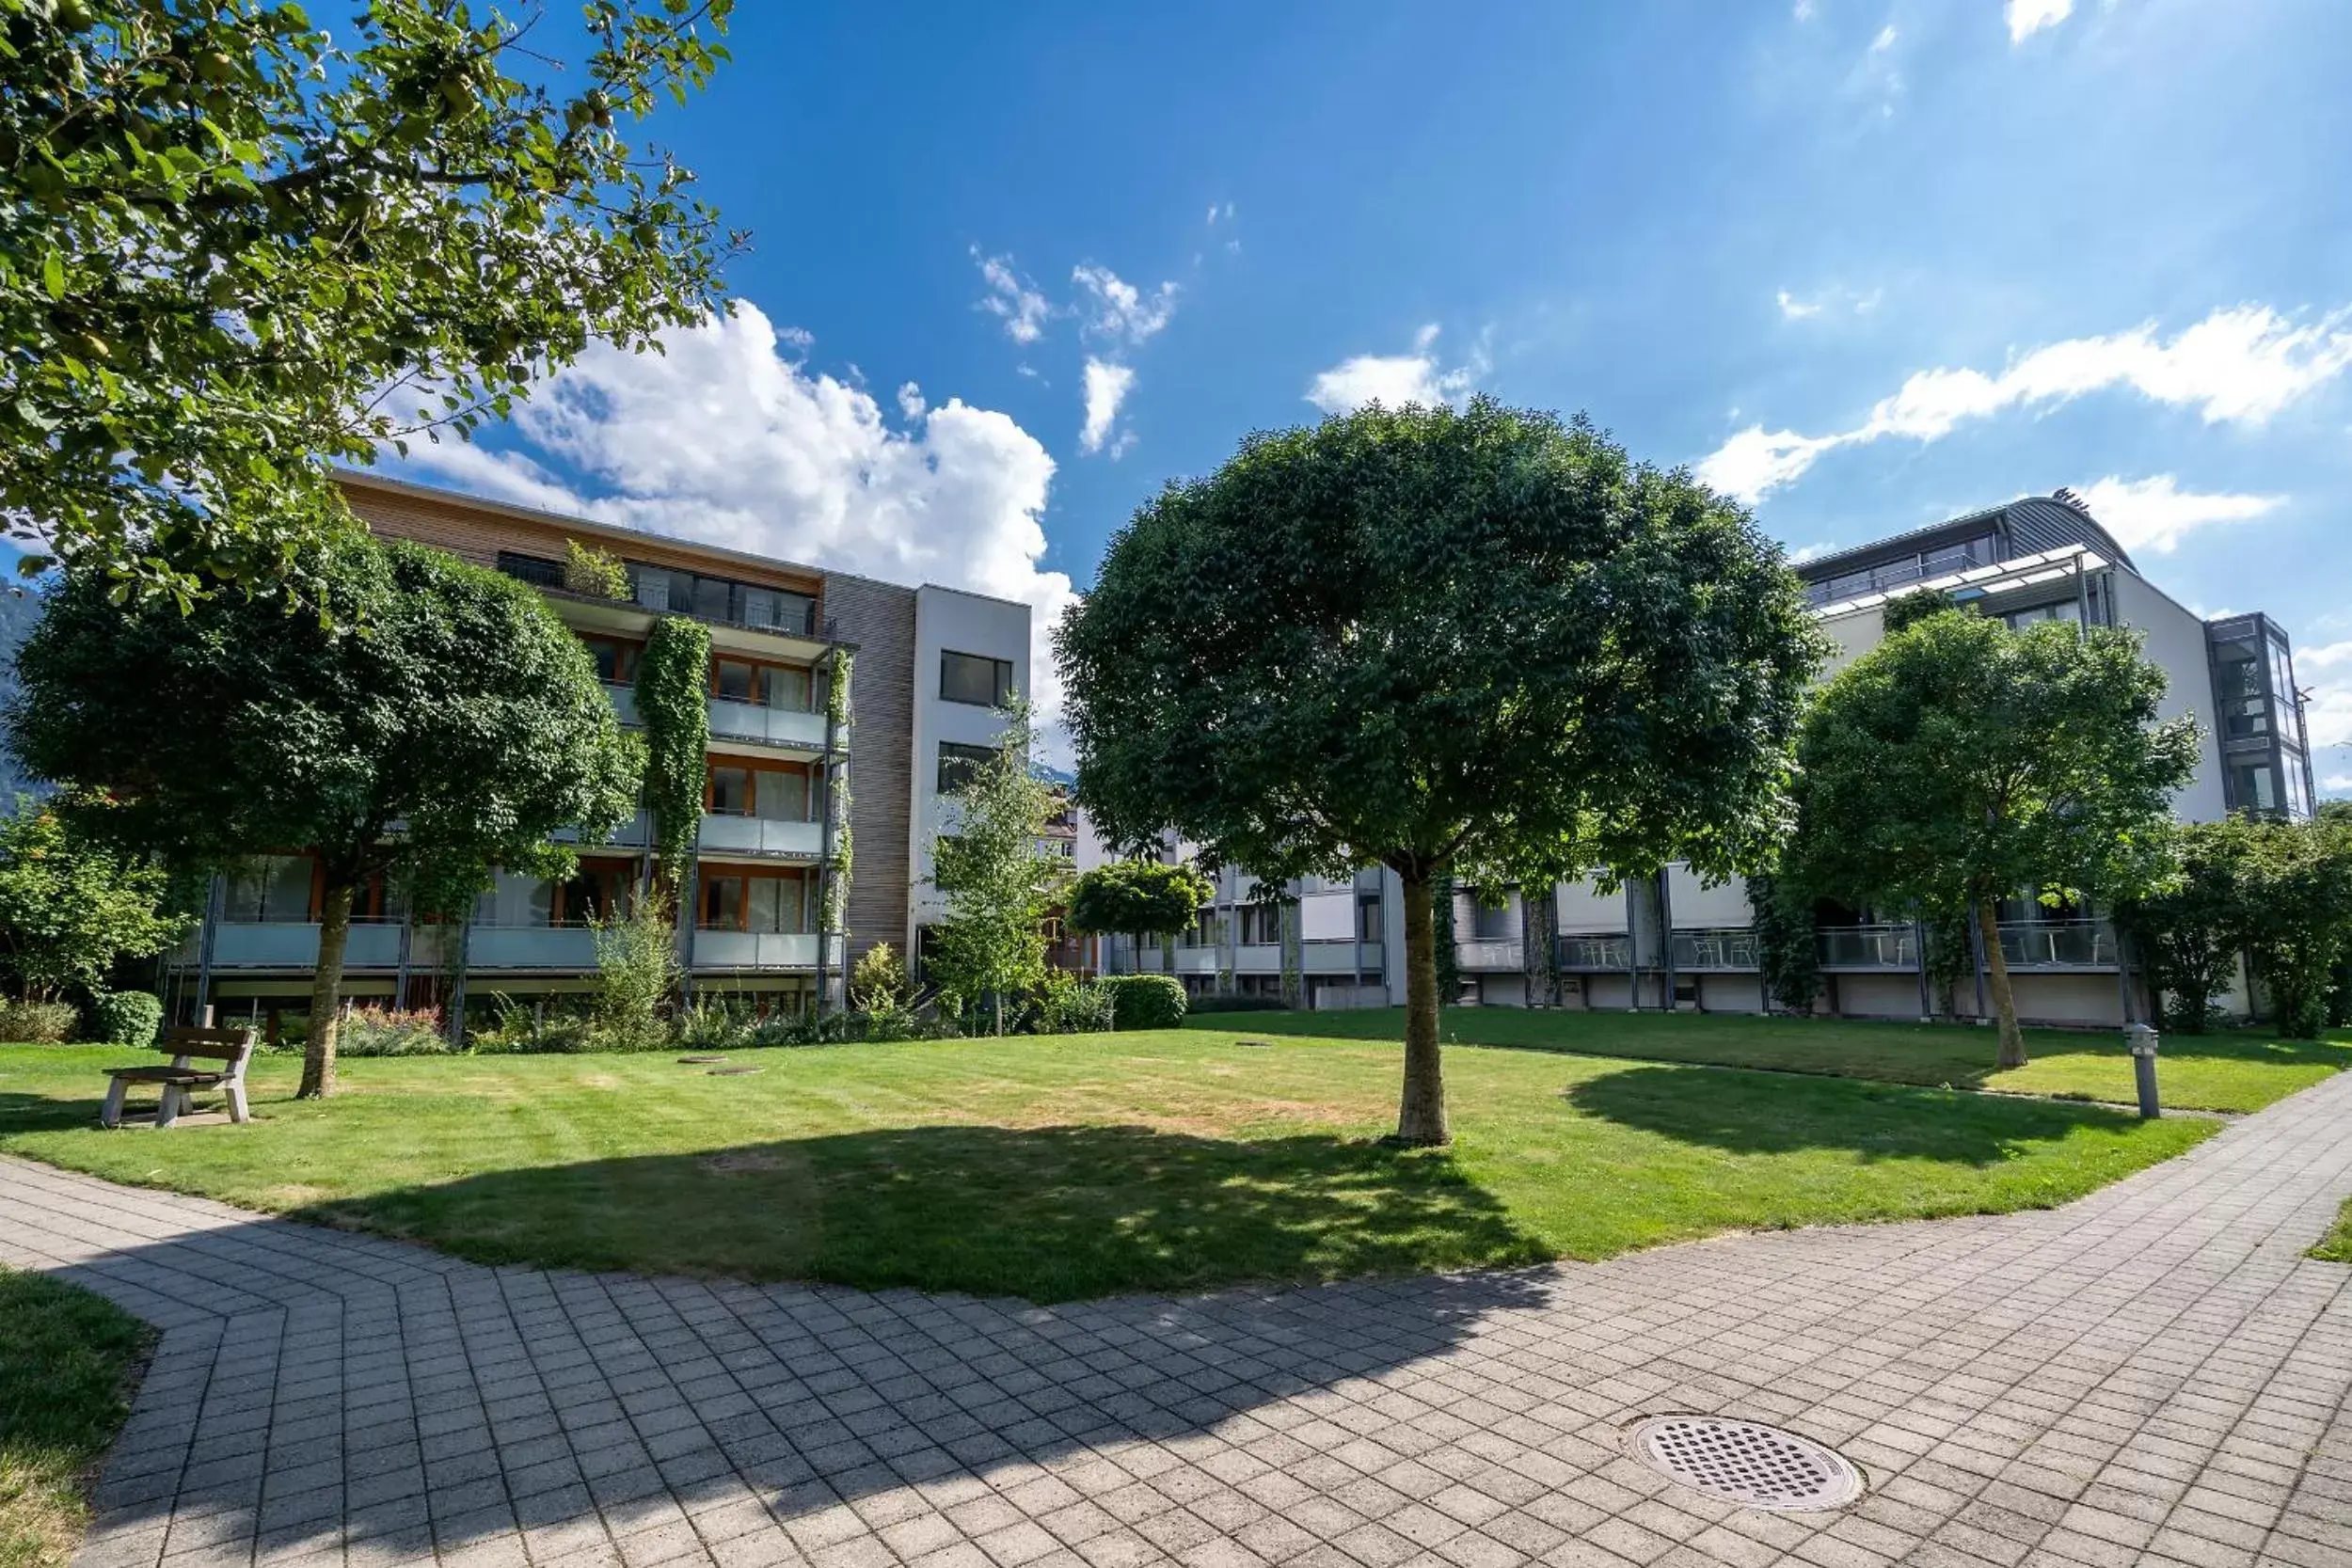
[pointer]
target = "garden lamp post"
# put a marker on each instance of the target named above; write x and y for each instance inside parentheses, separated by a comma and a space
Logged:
(2140, 1040)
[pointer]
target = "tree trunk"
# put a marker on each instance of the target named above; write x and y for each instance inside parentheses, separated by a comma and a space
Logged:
(326, 995)
(2004, 998)
(1421, 1114)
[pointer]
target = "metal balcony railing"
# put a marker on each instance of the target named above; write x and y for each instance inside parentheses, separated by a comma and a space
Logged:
(1585, 951)
(2058, 945)
(1868, 947)
(759, 835)
(723, 949)
(1729, 947)
(1490, 957)
(767, 726)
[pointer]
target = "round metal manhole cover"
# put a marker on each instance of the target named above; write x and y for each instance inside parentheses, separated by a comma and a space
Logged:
(1746, 1463)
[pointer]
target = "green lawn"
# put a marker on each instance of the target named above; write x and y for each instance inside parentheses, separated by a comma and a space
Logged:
(1074, 1165)
(66, 1358)
(2237, 1069)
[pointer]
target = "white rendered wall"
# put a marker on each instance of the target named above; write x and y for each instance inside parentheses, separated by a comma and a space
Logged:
(948, 619)
(2176, 644)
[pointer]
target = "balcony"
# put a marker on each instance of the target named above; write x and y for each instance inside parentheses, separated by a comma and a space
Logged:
(1868, 947)
(1196, 960)
(567, 947)
(759, 835)
(1490, 957)
(635, 833)
(1338, 956)
(1613, 951)
(767, 726)
(763, 950)
(294, 944)
(2058, 945)
(1729, 947)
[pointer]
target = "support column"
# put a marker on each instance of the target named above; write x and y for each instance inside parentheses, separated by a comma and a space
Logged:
(1666, 940)
(215, 902)
(1919, 950)
(1976, 955)
(1633, 950)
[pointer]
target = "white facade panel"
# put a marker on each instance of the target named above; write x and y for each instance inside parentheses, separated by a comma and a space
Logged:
(1585, 908)
(2176, 644)
(948, 620)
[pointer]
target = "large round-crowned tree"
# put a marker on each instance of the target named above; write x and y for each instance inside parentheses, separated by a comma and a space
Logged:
(1477, 643)
(429, 722)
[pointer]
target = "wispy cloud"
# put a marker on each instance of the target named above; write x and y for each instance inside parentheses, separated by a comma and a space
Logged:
(2156, 513)
(1796, 307)
(1120, 310)
(1012, 298)
(1394, 380)
(2240, 365)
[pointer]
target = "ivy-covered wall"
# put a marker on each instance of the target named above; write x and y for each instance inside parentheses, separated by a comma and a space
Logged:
(672, 692)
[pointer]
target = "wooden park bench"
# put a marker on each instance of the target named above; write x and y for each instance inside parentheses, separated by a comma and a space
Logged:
(231, 1048)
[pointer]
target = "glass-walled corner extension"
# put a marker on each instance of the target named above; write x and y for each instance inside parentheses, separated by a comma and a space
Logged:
(2266, 758)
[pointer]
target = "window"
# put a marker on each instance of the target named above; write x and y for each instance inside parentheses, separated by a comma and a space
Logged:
(711, 598)
(2298, 800)
(2255, 787)
(780, 795)
(616, 661)
(2065, 609)
(1368, 918)
(731, 791)
(776, 685)
(732, 680)
(1494, 924)
(598, 892)
(270, 888)
(515, 900)
(959, 763)
(1261, 925)
(972, 678)
(755, 901)
(536, 570)
(785, 688)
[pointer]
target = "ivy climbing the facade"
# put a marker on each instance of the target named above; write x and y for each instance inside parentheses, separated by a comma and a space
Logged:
(673, 689)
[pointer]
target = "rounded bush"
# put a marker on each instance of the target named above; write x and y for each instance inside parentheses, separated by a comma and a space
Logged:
(1146, 1002)
(125, 1017)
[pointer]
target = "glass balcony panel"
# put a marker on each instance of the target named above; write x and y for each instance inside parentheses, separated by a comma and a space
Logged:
(567, 947)
(291, 945)
(1489, 957)
(1729, 948)
(1582, 951)
(760, 950)
(754, 835)
(1868, 947)
(768, 726)
(2058, 945)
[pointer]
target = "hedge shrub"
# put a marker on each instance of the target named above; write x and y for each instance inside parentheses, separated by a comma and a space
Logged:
(128, 1018)
(1146, 1001)
(39, 1023)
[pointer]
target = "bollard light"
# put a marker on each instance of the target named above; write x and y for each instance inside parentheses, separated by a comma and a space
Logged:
(2140, 1040)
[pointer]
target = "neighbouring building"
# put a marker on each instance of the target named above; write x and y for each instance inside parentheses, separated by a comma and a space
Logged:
(925, 672)
(1673, 942)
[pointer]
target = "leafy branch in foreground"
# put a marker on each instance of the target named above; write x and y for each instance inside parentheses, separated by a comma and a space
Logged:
(239, 246)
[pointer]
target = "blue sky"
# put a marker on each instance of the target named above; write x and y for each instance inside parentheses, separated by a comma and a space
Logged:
(1867, 264)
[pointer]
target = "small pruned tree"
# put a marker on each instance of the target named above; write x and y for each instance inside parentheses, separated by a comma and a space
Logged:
(72, 904)
(244, 245)
(1140, 898)
(998, 882)
(2182, 929)
(430, 721)
(1476, 643)
(877, 980)
(1962, 760)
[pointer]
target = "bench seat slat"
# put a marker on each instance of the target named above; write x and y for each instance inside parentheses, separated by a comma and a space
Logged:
(166, 1074)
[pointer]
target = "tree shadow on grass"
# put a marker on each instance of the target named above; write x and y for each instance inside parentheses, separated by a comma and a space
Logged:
(1743, 1114)
(1051, 1213)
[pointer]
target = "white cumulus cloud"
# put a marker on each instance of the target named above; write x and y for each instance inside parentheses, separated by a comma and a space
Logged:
(2156, 513)
(725, 440)
(1795, 309)
(1393, 380)
(1107, 387)
(2028, 17)
(2239, 365)
(1015, 301)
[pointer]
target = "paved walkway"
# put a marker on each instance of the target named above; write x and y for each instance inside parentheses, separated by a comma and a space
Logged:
(2154, 1374)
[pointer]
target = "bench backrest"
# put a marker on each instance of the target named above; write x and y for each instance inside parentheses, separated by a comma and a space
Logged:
(226, 1045)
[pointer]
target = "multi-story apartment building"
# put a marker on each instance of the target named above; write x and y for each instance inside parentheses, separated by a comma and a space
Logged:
(1674, 942)
(927, 668)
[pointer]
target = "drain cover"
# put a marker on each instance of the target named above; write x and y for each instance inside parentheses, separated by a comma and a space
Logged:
(1746, 1463)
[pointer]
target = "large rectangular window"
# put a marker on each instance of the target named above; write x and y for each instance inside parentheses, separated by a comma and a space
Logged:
(959, 763)
(753, 901)
(780, 794)
(516, 900)
(776, 685)
(616, 661)
(710, 598)
(1261, 925)
(269, 888)
(975, 678)
(730, 791)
